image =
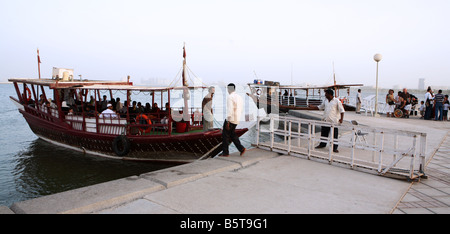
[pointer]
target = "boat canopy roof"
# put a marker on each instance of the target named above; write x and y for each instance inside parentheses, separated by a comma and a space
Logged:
(95, 84)
(338, 86)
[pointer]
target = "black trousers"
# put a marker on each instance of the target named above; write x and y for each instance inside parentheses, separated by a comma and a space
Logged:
(230, 135)
(325, 132)
(428, 111)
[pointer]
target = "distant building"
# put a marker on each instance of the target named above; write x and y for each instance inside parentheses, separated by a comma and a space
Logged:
(421, 84)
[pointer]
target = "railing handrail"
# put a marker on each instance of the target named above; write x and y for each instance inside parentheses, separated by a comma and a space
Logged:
(416, 149)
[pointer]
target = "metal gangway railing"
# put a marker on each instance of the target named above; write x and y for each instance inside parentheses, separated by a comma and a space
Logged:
(388, 152)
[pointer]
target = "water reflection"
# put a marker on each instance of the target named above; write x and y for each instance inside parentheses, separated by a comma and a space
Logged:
(44, 169)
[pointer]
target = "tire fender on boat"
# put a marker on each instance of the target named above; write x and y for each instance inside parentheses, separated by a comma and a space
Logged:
(121, 145)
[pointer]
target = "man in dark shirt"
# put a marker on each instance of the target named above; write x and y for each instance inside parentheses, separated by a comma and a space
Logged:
(439, 105)
(406, 103)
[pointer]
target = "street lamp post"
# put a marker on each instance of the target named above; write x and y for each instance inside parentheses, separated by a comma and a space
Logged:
(377, 59)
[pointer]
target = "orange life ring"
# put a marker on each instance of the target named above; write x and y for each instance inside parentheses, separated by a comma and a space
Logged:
(258, 92)
(143, 117)
(28, 96)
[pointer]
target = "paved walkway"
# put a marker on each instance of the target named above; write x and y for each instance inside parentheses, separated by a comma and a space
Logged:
(432, 195)
(265, 182)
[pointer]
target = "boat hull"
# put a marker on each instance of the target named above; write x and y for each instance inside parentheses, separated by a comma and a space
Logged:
(179, 148)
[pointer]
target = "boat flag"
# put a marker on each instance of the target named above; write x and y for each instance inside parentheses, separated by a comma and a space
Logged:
(39, 63)
(39, 58)
(184, 67)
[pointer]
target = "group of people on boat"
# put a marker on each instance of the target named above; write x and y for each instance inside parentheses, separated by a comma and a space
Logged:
(116, 108)
(71, 104)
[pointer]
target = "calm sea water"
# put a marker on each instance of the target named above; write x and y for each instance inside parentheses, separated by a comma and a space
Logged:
(31, 167)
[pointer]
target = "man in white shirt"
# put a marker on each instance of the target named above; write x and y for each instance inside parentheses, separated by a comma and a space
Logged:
(358, 102)
(108, 113)
(234, 110)
(429, 97)
(208, 116)
(333, 113)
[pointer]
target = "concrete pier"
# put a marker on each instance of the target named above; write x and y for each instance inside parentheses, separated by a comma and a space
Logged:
(266, 182)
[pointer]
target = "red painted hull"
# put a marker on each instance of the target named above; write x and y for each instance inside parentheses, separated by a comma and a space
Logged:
(169, 148)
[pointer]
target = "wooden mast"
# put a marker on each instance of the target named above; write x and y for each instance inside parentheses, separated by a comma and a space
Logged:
(185, 88)
(334, 78)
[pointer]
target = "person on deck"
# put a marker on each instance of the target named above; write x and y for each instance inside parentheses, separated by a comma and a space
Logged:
(234, 110)
(429, 97)
(358, 102)
(108, 113)
(104, 104)
(333, 113)
(208, 116)
(406, 102)
(439, 104)
(390, 100)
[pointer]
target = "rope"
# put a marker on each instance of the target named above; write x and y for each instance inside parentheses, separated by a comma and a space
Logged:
(170, 85)
(207, 153)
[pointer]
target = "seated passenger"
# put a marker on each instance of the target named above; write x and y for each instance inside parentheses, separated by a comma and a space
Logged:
(52, 104)
(155, 108)
(89, 112)
(64, 107)
(124, 109)
(108, 113)
(46, 107)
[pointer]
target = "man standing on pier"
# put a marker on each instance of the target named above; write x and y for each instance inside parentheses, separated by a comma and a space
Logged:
(234, 109)
(333, 113)
(358, 102)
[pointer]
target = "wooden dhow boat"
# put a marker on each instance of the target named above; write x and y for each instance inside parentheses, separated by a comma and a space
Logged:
(70, 120)
(291, 97)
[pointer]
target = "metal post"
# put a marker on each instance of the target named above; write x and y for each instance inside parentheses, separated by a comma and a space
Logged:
(309, 140)
(423, 145)
(299, 132)
(258, 125)
(376, 96)
(271, 133)
(285, 126)
(413, 157)
(374, 144)
(331, 144)
(395, 147)
(354, 131)
(380, 155)
(289, 137)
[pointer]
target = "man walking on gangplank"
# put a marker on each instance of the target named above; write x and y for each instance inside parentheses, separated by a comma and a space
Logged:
(234, 110)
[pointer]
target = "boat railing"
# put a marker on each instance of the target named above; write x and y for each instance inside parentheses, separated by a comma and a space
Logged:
(300, 101)
(158, 124)
(115, 126)
(49, 114)
(387, 152)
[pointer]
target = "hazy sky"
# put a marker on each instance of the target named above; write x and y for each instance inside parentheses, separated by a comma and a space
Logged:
(229, 40)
